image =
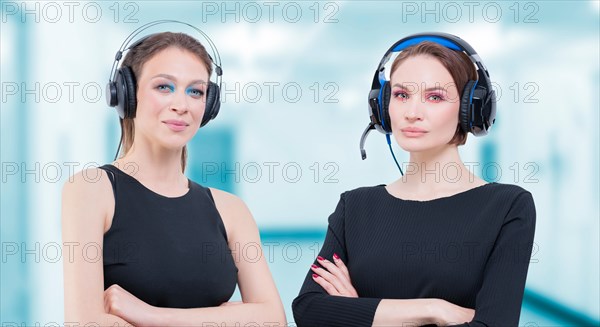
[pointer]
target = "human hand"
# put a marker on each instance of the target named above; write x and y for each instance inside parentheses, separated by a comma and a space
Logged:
(333, 277)
(121, 303)
(447, 313)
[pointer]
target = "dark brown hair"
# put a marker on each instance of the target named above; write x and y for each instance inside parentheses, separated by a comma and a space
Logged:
(139, 55)
(458, 64)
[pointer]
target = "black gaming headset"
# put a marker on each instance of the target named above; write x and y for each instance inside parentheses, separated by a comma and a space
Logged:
(121, 87)
(477, 103)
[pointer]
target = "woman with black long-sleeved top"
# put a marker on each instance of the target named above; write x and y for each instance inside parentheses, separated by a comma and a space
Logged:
(439, 246)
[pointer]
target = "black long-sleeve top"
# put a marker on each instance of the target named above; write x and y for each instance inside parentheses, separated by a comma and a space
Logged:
(471, 249)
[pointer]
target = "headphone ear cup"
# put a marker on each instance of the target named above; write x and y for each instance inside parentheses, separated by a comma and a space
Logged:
(126, 93)
(464, 112)
(213, 103)
(386, 95)
(118, 94)
(480, 111)
(111, 94)
(489, 108)
(374, 107)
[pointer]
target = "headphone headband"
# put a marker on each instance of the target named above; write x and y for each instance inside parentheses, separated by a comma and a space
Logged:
(447, 40)
(215, 59)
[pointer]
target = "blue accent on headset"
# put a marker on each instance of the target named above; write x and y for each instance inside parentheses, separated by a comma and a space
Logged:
(442, 41)
(381, 118)
(470, 102)
(389, 142)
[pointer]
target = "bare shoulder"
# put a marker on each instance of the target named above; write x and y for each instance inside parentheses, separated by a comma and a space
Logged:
(88, 182)
(234, 212)
(88, 191)
(229, 204)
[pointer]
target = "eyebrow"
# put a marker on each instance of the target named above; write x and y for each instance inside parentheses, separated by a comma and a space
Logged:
(435, 88)
(173, 78)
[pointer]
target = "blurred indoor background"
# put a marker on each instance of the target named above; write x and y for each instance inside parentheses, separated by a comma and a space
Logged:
(296, 79)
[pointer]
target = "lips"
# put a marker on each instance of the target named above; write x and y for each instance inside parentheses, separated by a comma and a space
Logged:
(176, 125)
(176, 122)
(413, 130)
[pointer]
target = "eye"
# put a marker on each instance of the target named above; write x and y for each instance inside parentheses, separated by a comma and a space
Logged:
(165, 88)
(196, 93)
(401, 95)
(435, 98)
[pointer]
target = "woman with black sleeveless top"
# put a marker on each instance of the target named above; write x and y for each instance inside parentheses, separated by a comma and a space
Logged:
(168, 244)
(438, 246)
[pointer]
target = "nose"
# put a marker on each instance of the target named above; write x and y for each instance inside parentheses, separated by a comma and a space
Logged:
(414, 109)
(180, 103)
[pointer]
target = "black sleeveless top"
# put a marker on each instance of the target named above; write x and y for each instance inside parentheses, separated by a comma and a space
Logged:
(168, 252)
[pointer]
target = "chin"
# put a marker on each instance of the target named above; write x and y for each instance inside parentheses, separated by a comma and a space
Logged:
(422, 144)
(415, 148)
(413, 144)
(174, 144)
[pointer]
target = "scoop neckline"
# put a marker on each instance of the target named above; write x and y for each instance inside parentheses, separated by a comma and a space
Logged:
(151, 191)
(436, 199)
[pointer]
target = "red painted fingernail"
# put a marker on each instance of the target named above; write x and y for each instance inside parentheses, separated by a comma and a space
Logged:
(336, 256)
(320, 258)
(314, 266)
(315, 275)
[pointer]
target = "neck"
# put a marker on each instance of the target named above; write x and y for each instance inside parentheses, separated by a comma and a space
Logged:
(437, 170)
(153, 163)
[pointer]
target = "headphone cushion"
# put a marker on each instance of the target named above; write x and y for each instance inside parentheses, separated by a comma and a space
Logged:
(386, 95)
(129, 97)
(213, 103)
(465, 106)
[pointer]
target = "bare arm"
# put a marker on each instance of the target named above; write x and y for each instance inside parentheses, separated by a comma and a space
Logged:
(86, 203)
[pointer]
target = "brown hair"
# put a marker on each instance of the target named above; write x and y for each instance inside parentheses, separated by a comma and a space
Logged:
(458, 64)
(139, 55)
